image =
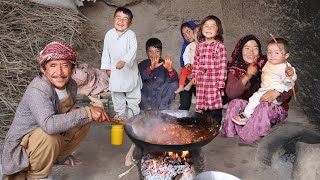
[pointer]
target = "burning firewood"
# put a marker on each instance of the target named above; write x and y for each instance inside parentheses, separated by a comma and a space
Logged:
(168, 166)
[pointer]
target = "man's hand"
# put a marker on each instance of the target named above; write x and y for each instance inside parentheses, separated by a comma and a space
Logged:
(269, 96)
(289, 71)
(120, 64)
(98, 114)
(95, 102)
(108, 73)
(168, 63)
(155, 62)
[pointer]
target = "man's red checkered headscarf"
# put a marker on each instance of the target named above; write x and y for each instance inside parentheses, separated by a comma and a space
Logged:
(57, 50)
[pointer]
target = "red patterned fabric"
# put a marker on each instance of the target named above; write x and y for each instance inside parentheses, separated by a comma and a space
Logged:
(57, 50)
(210, 71)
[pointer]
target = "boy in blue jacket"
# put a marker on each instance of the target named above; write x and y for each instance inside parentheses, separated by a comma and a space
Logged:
(159, 79)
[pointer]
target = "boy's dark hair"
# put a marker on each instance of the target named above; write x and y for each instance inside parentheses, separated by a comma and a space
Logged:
(125, 11)
(186, 24)
(219, 24)
(283, 41)
(153, 42)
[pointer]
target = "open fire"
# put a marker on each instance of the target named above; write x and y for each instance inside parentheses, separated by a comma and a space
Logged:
(167, 165)
(154, 132)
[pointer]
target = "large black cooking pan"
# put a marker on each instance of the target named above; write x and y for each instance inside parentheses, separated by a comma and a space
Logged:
(136, 128)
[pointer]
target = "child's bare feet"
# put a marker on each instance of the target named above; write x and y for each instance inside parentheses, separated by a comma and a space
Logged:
(179, 89)
(188, 86)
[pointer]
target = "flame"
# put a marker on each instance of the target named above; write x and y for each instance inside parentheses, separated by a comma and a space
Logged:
(160, 162)
(171, 154)
(176, 155)
(184, 154)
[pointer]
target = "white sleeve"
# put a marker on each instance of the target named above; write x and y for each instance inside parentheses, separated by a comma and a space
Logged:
(186, 55)
(131, 55)
(105, 60)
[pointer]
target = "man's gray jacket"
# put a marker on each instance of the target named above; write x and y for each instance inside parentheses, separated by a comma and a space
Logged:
(38, 108)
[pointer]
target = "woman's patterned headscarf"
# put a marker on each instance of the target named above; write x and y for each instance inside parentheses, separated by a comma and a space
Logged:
(237, 65)
(57, 50)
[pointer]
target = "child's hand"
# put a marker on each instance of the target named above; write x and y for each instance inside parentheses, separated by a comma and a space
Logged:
(108, 73)
(194, 81)
(168, 63)
(188, 67)
(120, 64)
(189, 77)
(155, 62)
(289, 71)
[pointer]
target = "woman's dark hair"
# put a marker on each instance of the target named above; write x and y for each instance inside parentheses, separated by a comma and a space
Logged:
(125, 11)
(219, 35)
(186, 24)
(153, 42)
(244, 41)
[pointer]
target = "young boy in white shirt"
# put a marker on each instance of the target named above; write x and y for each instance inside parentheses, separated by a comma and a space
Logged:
(118, 59)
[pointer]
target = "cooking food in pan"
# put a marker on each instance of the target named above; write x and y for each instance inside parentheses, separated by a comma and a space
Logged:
(174, 134)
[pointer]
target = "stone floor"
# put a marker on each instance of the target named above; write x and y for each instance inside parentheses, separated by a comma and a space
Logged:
(101, 160)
